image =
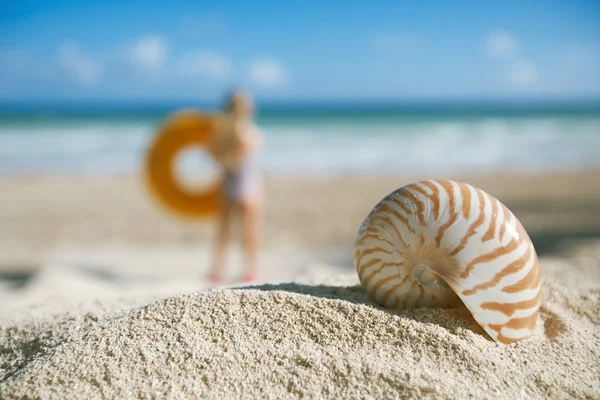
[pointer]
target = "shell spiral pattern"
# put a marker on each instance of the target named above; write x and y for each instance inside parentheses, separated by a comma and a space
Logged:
(440, 243)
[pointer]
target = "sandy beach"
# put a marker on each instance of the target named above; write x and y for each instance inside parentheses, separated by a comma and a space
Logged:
(324, 110)
(103, 295)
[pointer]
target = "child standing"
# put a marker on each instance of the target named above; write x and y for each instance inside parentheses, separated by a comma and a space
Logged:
(236, 149)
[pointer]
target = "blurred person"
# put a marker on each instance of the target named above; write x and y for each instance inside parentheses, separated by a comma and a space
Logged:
(236, 148)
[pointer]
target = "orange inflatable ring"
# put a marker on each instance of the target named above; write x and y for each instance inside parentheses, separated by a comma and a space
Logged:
(181, 130)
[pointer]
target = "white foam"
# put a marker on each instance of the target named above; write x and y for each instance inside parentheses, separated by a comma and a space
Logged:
(535, 144)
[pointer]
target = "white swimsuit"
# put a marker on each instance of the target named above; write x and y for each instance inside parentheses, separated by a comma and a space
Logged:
(245, 181)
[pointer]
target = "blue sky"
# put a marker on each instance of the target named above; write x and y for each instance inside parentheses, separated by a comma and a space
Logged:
(299, 50)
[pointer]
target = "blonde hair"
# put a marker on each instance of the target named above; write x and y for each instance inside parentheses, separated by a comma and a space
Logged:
(240, 104)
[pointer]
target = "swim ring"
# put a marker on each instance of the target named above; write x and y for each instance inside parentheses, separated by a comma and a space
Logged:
(181, 130)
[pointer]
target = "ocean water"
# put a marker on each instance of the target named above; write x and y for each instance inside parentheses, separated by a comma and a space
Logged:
(318, 140)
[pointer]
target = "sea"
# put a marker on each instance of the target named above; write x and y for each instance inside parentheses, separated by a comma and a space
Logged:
(110, 139)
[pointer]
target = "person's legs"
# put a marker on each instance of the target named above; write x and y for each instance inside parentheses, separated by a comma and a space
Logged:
(251, 234)
(223, 239)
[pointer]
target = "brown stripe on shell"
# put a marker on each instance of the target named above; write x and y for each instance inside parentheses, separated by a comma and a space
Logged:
(497, 252)
(420, 190)
(509, 309)
(420, 206)
(402, 218)
(370, 233)
(382, 282)
(531, 281)
(491, 256)
(435, 199)
(356, 253)
(473, 228)
(371, 251)
(510, 269)
(360, 268)
(369, 277)
(401, 204)
(466, 196)
(449, 188)
(421, 295)
(507, 218)
(508, 340)
(489, 235)
(386, 295)
(503, 223)
(516, 323)
(389, 221)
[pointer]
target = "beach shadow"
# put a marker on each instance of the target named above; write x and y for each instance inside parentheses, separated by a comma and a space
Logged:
(571, 206)
(96, 272)
(555, 240)
(18, 277)
(353, 294)
(108, 274)
(558, 242)
(356, 295)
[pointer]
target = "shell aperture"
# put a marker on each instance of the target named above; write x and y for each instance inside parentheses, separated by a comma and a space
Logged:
(440, 243)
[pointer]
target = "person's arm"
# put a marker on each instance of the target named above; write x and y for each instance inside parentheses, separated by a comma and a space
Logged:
(249, 139)
(214, 147)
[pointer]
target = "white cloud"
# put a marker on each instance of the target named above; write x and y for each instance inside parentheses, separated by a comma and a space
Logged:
(204, 64)
(523, 73)
(501, 45)
(149, 53)
(267, 72)
(80, 67)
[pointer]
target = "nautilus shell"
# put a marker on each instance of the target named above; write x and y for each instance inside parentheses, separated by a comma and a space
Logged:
(440, 243)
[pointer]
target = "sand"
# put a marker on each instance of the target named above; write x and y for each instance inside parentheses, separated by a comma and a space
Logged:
(301, 341)
(103, 297)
